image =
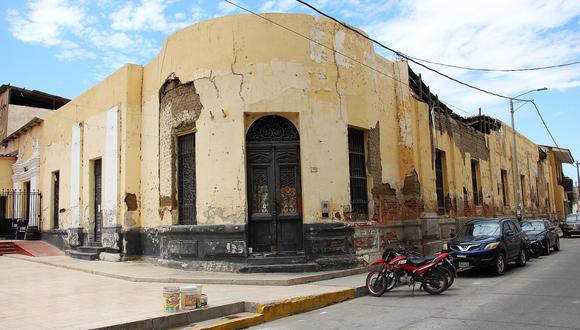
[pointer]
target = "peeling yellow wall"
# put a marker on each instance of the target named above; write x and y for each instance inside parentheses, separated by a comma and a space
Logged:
(6, 172)
(89, 110)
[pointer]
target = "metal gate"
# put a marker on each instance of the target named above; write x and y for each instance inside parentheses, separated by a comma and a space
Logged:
(20, 214)
(97, 171)
(186, 178)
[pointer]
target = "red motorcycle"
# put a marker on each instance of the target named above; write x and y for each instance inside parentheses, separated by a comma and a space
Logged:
(397, 267)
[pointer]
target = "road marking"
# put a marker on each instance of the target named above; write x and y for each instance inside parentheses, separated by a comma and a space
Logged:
(576, 302)
(476, 283)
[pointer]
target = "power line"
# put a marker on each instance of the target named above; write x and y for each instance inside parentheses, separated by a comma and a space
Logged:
(334, 50)
(496, 70)
(546, 126)
(403, 55)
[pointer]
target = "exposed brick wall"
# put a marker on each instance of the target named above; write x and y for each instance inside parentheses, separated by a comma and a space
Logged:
(374, 155)
(179, 108)
(466, 138)
(406, 204)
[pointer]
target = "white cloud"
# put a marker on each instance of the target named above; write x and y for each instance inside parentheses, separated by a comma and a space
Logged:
(147, 15)
(278, 6)
(497, 34)
(75, 54)
(45, 21)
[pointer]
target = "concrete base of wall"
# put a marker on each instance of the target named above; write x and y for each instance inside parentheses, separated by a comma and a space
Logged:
(425, 235)
(57, 238)
(225, 248)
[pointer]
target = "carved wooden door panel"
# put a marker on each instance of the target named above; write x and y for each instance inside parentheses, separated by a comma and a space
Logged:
(97, 199)
(274, 207)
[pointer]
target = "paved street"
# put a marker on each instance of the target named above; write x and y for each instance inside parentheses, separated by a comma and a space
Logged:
(543, 295)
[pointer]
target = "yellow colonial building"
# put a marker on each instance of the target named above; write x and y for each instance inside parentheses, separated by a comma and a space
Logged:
(242, 144)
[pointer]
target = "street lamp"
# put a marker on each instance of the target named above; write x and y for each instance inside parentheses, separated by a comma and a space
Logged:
(519, 207)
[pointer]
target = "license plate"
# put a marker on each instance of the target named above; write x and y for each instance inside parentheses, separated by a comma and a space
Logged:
(464, 265)
(461, 256)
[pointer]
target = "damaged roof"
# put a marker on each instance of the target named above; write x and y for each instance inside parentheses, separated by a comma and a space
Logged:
(33, 98)
(562, 154)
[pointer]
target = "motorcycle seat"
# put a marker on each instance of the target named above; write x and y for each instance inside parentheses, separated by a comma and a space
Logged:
(418, 261)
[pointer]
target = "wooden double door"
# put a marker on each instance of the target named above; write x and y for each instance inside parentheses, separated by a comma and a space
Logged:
(274, 199)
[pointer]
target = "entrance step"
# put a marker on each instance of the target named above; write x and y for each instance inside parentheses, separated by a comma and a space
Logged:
(82, 255)
(7, 248)
(91, 249)
(93, 243)
(281, 268)
(86, 252)
(276, 259)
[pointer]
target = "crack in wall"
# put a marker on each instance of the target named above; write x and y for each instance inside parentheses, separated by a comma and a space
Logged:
(237, 73)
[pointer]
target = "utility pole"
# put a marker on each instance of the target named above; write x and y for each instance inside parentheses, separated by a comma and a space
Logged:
(578, 186)
(519, 208)
(519, 205)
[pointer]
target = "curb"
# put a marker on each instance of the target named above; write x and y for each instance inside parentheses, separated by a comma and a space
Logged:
(279, 309)
(264, 282)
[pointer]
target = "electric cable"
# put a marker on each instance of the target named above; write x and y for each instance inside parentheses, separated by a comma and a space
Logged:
(401, 54)
(544, 122)
(496, 70)
(334, 50)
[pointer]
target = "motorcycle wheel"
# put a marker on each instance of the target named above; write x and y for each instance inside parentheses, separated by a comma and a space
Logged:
(376, 284)
(435, 282)
(392, 280)
(450, 274)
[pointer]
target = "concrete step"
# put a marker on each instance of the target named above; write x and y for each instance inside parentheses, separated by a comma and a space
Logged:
(7, 248)
(93, 243)
(91, 249)
(275, 260)
(82, 255)
(281, 268)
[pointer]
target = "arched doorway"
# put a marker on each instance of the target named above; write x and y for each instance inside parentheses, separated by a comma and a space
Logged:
(274, 198)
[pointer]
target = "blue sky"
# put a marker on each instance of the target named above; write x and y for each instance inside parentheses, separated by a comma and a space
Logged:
(64, 47)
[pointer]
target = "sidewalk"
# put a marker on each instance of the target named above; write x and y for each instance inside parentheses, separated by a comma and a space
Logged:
(66, 293)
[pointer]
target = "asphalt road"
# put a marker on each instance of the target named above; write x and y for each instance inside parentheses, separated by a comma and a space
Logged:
(545, 294)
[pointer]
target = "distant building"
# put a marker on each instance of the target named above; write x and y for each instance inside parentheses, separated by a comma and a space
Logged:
(19, 105)
(241, 144)
(21, 112)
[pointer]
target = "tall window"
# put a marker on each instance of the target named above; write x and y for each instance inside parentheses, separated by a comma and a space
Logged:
(186, 177)
(475, 181)
(358, 174)
(55, 202)
(440, 169)
(504, 187)
(524, 191)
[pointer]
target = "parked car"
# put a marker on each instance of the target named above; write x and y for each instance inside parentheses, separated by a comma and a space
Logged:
(572, 225)
(542, 236)
(490, 244)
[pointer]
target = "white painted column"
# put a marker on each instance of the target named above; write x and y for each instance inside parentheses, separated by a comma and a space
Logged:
(111, 169)
(75, 175)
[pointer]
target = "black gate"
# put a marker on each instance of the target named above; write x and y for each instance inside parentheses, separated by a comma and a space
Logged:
(186, 178)
(55, 201)
(274, 198)
(97, 199)
(19, 214)
(439, 187)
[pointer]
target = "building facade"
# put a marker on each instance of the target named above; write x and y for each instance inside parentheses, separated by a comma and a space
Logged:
(241, 142)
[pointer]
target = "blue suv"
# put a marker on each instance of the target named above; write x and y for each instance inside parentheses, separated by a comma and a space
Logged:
(490, 244)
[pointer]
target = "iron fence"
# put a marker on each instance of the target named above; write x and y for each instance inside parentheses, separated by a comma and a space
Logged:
(19, 214)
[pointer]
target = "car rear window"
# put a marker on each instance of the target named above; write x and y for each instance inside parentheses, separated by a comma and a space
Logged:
(533, 226)
(572, 217)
